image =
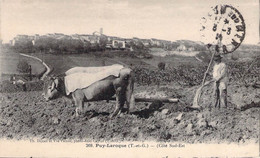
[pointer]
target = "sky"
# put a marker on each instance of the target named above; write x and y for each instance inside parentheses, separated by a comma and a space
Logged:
(162, 19)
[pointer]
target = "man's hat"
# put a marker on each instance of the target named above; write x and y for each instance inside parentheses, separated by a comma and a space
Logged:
(217, 57)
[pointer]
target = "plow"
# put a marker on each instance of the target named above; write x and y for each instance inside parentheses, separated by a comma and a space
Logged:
(163, 100)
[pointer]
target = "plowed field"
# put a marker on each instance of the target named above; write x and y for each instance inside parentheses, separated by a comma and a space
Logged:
(26, 114)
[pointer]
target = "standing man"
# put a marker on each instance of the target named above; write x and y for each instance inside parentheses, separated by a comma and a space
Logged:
(220, 78)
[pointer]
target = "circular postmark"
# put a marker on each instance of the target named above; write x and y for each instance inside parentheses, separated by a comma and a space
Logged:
(224, 28)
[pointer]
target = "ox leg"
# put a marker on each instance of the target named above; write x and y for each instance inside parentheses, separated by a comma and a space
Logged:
(119, 102)
(79, 108)
(79, 103)
(130, 100)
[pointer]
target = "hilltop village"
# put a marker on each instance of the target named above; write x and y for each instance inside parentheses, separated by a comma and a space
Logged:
(97, 41)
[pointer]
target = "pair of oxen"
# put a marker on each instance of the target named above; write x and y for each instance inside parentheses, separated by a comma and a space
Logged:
(85, 84)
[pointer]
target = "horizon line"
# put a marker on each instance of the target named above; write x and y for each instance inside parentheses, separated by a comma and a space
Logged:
(6, 42)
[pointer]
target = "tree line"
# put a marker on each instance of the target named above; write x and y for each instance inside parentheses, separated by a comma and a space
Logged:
(58, 46)
(73, 46)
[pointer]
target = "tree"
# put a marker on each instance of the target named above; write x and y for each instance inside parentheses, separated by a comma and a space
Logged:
(87, 46)
(139, 45)
(63, 45)
(95, 47)
(23, 67)
(161, 65)
(23, 46)
(174, 45)
(46, 43)
(103, 42)
(76, 46)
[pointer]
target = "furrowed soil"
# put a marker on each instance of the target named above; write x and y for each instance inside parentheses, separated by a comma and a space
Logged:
(25, 115)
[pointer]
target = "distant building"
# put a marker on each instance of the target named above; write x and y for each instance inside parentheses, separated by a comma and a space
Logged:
(12, 42)
(96, 33)
(36, 36)
(85, 37)
(50, 34)
(27, 38)
(146, 42)
(58, 34)
(112, 42)
(135, 40)
(111, 38)
(181, 48)
(94, 39)
(118, 44)
(155, 42)
(109, 45)
(89, 38)
(75, 36)
(191, 49)
(128, 42)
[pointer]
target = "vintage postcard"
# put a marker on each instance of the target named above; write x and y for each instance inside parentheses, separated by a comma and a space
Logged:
(129, 78)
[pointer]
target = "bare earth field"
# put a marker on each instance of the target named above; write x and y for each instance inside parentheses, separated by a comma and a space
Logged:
(25, 115)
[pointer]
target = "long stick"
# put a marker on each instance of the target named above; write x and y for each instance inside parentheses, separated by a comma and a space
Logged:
(205, 74)
(198, 92)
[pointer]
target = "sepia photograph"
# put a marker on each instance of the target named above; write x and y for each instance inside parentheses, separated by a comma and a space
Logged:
(130, 78)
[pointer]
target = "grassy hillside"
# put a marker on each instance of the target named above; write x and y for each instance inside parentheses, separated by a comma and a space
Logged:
(62, 63)
(10, 60)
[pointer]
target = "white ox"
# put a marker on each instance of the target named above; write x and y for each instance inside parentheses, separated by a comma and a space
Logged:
(94, 84)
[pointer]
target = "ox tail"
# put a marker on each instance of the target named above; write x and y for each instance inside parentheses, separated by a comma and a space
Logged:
(130, 100)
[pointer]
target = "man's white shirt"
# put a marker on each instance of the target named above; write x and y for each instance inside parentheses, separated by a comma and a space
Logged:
(220, 72)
